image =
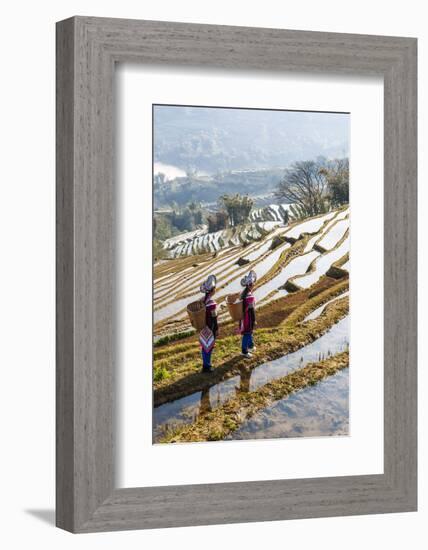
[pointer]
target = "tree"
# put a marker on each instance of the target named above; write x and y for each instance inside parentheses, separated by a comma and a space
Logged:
(159, 179)
(196, 211)
(197, 217)
(162, 228)
(337, 175)
(218, 220)
(286, 217)
(305, 186)
(183, 220)
(245, 208)
(238, 207)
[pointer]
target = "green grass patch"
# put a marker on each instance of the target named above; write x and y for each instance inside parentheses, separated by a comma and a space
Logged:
(160, 373)
(173, 338)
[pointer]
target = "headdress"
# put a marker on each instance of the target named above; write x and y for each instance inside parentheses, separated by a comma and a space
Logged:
(249, 279)
(209, 284)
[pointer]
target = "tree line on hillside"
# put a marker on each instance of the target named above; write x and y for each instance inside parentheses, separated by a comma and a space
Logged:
(314, 187)
(232, 210)
(207, 189)
(310, 187)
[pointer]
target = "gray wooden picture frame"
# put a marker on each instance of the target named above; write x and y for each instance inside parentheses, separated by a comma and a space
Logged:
(87, 50)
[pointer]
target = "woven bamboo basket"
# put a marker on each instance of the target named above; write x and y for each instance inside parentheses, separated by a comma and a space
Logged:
(196, 313)
(234, 305)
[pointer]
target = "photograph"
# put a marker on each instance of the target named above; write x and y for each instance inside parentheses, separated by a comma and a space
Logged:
(187, 359)
(251, 257)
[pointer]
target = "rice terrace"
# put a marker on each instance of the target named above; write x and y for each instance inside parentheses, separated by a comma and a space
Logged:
(251, 251)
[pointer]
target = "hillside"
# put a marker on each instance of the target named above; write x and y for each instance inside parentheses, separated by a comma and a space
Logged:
(297, 261)
(302, 338)
(262, 221)
(206, 189)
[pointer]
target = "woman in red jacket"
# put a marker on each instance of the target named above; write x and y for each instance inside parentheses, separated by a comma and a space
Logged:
(248, 321)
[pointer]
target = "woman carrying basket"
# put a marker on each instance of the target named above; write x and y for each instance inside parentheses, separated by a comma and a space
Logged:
(248, 321)
(208, 334)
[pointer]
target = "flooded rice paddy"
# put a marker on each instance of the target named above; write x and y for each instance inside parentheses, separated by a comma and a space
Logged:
(322, 265)
(296, 266)
(334, 235)
(317, 312)
(187, 409)
(315, 411)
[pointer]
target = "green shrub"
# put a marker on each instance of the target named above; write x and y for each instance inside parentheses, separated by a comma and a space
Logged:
(160, 373)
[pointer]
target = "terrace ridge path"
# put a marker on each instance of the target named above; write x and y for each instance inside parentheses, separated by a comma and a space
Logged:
(272, 343)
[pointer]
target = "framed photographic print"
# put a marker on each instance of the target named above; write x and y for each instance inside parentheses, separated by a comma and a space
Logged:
(232, 274)
(236, 274)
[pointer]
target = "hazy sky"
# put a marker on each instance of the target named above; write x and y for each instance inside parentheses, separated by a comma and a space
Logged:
(246, 138)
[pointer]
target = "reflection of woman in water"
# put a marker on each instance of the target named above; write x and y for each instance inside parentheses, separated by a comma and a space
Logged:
(209, 333)
(248, 321)
(205, 406)
(245, 378)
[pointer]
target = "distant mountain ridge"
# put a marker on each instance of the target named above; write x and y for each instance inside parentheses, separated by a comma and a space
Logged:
(207, 189)
(216, 140)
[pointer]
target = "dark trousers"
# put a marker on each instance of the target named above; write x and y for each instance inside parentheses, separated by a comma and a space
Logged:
(247, 342)
(206, 358)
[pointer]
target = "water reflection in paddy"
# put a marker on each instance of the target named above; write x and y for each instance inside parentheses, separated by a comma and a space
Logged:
(315, 411)
(317, 312)
(186, 409)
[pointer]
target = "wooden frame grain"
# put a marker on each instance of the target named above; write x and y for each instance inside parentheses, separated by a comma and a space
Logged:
(87, 50)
